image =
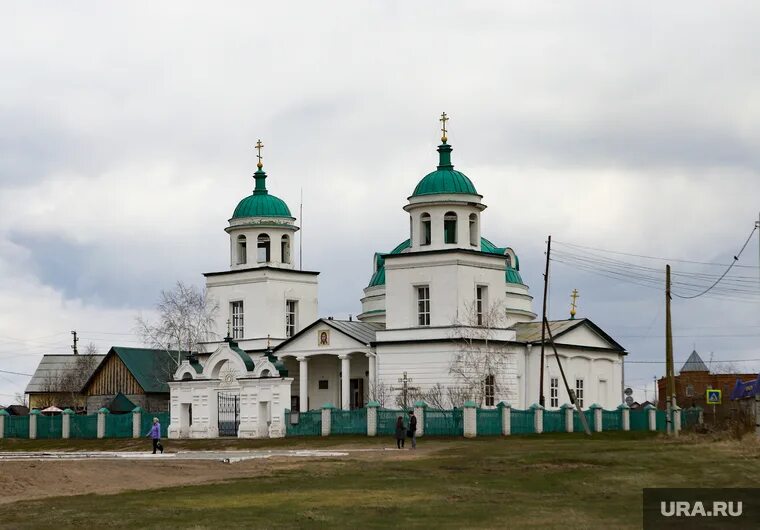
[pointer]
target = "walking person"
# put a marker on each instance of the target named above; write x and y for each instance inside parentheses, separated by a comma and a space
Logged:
(413, 428)
(400, 432)
(155, 435)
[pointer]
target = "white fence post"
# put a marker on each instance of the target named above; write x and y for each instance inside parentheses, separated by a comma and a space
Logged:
(372, 418)
(136, 422)
(538, 418)
(66, 423)
(567, 408)
(3, 414)
(676, 419)
(327, 419)
(651, 416)
(419, 412)
(470, 419)
(506, 418)
(102, 422)
(33, 423)
(625, 416)
(597, 411)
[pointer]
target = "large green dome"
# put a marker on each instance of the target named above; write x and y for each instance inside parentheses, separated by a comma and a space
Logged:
(445, 179)
(261, 203)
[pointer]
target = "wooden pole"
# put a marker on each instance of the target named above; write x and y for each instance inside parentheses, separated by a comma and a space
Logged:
(670, 397)
(544, 323)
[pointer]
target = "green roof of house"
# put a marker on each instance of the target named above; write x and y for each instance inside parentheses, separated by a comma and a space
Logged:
(150, 368)
(260, 203)
(120, 404)
(445, 179)
(511, 275)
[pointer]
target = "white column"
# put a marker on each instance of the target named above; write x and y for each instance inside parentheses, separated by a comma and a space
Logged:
(33, 424)
(3, 414)
(136, 422)
(303, 384)
(326, 420)
(372, 418)
(345, 381)
(419, 412)
(470, 420)
(652, 417)
(66, 424)
(538, 418)
(372, 367)
(568, 410)
(625, 412)
(102, 422)
(506, 418)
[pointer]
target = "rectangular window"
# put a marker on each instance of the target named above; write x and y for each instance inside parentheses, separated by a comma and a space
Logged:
(236, 308)
(426, 230)
(291, 307)
(322, 385)
(554, 392)
(490, 390)
(423, 306)
(450, 228)
(579, 392)
(480, 304)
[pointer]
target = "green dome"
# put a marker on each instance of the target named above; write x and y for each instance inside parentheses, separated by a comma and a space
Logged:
(260, 203)
(445, 179)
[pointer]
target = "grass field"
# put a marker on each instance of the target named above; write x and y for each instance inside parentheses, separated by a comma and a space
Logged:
(547, 481)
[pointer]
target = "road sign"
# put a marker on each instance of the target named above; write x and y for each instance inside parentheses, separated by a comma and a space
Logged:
(628, 391)
(628, 400)
(713, 396)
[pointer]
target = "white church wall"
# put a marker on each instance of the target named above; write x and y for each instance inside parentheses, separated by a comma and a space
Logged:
(583, 336)
(452, 278)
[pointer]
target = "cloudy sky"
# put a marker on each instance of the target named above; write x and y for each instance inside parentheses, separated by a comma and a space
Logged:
(126, 134)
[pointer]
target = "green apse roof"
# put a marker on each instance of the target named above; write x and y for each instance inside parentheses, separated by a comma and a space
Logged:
(445, 179)
(511, 275)
(261, 203)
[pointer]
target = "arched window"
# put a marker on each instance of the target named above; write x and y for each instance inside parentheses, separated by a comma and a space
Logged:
(263, 255)
(473, 230)
(450, 228)
(509, 261)
(285, 248)
(266, 373)
(425, 232)
(241, 251)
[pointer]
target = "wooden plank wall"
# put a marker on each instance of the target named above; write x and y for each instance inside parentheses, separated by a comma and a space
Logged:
(112, 378)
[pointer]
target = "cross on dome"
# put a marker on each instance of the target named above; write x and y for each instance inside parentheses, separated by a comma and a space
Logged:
(443, 119)
(258, 147)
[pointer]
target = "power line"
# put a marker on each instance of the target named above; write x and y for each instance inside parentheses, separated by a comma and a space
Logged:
(15, 373)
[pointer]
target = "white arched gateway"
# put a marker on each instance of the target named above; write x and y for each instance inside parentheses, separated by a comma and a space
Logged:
(232, 393)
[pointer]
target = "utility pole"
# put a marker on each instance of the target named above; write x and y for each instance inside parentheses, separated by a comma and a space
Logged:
(74, 346)
(300, 236)
(670, 396)
(654, 378)
(544, 323)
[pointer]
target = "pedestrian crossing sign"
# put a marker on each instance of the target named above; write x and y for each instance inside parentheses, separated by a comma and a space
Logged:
(713, 397)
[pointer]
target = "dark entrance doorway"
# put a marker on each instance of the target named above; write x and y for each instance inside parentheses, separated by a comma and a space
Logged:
(357, 393)
(228, 408)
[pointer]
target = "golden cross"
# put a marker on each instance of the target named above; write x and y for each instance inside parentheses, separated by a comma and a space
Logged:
(573, 305)
(443, 120)
(259, 145)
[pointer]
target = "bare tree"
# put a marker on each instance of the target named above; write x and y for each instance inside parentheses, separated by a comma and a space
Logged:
(483, 364)
(78, 371)
(378, 392)
(19, 398)
(185, 318)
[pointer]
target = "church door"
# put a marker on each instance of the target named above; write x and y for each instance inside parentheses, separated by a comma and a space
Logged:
(357, 393)
(229, 413)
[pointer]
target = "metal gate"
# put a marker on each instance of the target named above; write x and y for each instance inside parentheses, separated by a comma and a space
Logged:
(228, 406)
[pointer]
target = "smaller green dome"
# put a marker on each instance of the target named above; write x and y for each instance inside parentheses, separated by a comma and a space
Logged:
(445, 179)
(261, 203)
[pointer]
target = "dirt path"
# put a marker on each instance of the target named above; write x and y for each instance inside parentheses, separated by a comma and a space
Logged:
(27, 480)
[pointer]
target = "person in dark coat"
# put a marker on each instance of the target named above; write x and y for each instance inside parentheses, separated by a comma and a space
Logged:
(413, 429)
(400, 432)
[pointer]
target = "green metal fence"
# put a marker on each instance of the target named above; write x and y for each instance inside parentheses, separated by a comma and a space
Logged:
(578, 425)
(444, 422)
(120, 426)
(49, 427)
(522, 421)
(639, 420)
(17, 426)
(309, 424)
(84, 426)
(661, 417)
(489, 422)
(612, 420)
(386, 421)
(554, 421)
(349, 422)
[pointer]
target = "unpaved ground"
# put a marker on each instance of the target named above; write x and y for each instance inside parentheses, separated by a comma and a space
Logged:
(38, 479)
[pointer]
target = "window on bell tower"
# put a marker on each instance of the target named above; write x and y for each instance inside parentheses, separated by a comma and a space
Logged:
(241, 251)
(473, 230)
(450, 228)
(425, 230)
(263, 254)
(285, 248)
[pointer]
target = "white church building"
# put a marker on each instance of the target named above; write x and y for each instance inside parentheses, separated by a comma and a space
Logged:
(445, 315)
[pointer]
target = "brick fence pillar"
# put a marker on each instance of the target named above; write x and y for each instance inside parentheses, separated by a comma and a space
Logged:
(327, 419)
(66, 423)
(102, 422)
(625, 416)
(137, 422)
(506, 418)
(470, 419)
(597, 411)
(3, 414)
(372, 407)
(567, 408)
(538, 418)
(651, 416)
(33, 423)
